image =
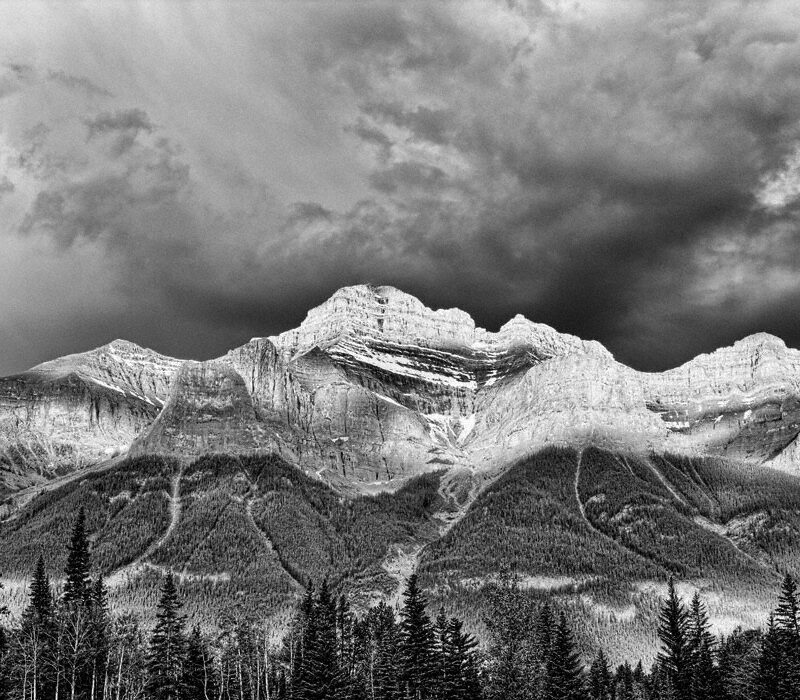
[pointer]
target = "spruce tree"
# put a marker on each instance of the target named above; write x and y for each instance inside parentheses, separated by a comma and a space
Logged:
(199, 678)
(675, 657)
(382, 680)
(706, 683)
(325, 659)
(41, 596)
(76, 584)
(600, 685)
(416, 643)
(167, 647)
(442, 651)
(563, 678)
(772, 680)
(623, 682)
(99, 623)
(303, 645)
(514, 665)
(74, 629)
(35, 637)
(319, 676)
(786, 614)
(738, 656)
(460, 664)
(787, 623)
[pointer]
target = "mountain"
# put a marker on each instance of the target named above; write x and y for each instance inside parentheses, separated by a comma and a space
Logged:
(78, 410)
(382, 437)
(374, 386)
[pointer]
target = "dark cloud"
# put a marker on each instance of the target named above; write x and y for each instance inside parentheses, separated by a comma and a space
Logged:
(625, 173)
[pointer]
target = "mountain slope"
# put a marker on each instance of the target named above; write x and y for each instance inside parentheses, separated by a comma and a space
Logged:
(374, 386)
(599, 532)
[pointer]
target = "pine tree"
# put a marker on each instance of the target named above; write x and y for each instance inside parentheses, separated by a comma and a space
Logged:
(382, 680)
(74, 630)
(199, 678)
(706, 683)
(302, 644)
(416, 643)
(76, 585)
(514, 665)
(675, 653)
(319, 675)
(34, 641)
(786, 614)
(739, 655)
(563, 678)
(442, 650)
(167, 647)
(623, 682)
(41, 596)
(99, 622)
(600, 678)
(772, 678)
(460, 664)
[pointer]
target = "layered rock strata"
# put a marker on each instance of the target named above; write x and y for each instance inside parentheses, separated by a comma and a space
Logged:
(374, 385)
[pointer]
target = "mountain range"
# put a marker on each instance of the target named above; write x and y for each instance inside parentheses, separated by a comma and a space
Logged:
(382, 437)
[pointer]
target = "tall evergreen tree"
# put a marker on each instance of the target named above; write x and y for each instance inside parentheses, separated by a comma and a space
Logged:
(787, 615)
(319, 675)
(382, 675)
(167, 647)
(564, 677)
(416, 643)
(623, 682)
(34, 640)
(41, 596)
(199, 677)
(675, 655)
(706, 683)
(739, 655)
(98, 645)
(441, 669)
(460, 674)
(772, 678)
(76, 584)
(600, 685)
(514, 662)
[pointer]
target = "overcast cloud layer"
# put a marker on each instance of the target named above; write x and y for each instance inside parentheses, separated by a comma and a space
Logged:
(189, 175)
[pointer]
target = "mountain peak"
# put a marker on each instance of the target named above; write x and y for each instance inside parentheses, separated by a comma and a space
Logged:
(757, 340)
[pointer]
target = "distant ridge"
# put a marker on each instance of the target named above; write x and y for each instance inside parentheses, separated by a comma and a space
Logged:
(373, 385)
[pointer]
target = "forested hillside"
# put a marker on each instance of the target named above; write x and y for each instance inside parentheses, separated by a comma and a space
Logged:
(597, 532)
(73, 645)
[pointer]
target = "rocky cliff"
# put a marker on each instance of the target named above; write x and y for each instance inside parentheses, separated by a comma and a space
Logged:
(79, 410)
(374, 385)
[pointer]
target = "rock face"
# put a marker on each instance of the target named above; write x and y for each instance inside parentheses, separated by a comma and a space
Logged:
(78, 410)
(374, 385)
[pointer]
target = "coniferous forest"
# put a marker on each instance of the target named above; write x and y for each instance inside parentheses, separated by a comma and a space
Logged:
(71, 646)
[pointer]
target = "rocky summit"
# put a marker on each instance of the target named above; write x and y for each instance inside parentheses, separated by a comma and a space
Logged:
(374, 386)
(381, 438)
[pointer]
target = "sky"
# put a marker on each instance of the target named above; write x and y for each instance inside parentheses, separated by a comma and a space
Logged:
(188, 175)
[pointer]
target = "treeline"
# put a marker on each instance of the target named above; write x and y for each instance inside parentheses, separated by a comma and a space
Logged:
(70, 647)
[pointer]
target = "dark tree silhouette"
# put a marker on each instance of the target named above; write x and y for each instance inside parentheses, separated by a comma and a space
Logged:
(167, 647)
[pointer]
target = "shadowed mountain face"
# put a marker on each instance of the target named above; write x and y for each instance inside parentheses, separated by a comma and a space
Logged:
(374, 386)
(598, 531)
(523, 447)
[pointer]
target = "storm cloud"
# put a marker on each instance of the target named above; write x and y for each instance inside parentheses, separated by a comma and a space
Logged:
(190, 175)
